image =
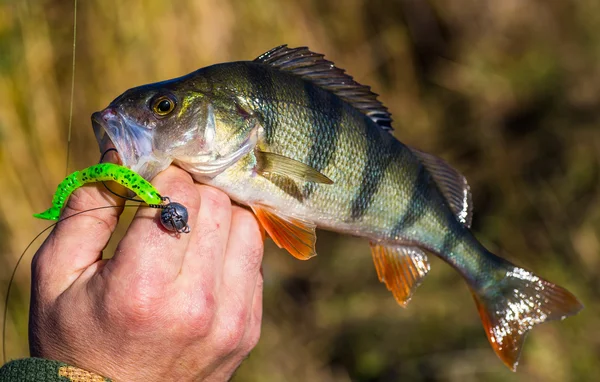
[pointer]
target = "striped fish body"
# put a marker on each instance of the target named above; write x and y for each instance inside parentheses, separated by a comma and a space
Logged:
(374, 175)
(303, 145)
(380, 190)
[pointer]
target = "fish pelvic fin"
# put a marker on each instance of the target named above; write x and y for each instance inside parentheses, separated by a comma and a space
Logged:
(401, 268)
(509, 308)
(296, 236)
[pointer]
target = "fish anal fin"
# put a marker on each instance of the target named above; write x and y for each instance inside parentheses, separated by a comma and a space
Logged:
(296, 236)
(270, 163)
(313, 67)
(512, 306)
(401, 269)
(451, 183)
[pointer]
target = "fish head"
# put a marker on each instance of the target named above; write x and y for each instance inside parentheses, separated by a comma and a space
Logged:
(178, 121)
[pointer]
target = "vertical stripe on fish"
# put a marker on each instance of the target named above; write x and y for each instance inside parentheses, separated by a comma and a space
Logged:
(325, 131)
(378, 158)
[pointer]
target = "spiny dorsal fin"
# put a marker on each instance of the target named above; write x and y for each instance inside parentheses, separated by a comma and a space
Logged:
(314, 68)
(453, 185)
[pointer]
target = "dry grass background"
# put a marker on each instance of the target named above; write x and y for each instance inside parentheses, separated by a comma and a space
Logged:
(508, 91)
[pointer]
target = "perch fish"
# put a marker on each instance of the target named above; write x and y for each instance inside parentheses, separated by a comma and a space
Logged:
(303, 145)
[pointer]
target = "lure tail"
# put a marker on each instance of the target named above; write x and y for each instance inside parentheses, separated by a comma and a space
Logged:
(511, 306)
(51, 213)
(64, 189)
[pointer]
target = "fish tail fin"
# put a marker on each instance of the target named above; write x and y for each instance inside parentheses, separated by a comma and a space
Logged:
(510, 307)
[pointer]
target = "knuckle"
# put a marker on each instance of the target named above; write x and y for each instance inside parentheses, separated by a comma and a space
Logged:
(248, 224)
(200, 313)
(139, 309)
(252, 339)
(140, 305)
(213, 198)
(231, 331)
(80, 200)
(185, 193)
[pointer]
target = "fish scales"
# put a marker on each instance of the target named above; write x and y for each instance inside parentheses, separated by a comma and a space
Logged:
(315, 127)
(366, 159)
(301, 125)
(304, 146)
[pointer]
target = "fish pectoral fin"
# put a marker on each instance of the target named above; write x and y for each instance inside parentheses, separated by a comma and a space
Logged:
(287, 185)
(296, 236)
(401, 269)
(271, 163)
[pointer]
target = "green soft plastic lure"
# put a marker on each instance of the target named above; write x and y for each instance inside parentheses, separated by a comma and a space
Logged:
(99, 173)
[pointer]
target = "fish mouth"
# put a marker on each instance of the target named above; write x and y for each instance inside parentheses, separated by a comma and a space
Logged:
(132, 142)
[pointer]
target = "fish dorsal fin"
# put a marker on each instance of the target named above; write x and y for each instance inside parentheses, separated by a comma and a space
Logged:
(314, 68)
(296, 236)
(401, 269)
(452, 184)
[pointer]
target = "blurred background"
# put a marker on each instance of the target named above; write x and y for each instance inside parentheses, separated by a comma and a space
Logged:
(507, 91)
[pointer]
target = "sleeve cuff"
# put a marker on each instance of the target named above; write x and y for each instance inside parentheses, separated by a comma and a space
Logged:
(38, 369)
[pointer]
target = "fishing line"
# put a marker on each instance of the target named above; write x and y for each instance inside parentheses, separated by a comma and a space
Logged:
(14, 272)
(66, 173)
(106, 152)
(173, 216)
(72, 86)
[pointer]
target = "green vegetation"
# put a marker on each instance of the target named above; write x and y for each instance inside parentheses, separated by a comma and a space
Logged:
(507, 91)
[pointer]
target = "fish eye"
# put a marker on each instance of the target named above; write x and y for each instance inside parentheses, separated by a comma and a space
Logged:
(163, 105)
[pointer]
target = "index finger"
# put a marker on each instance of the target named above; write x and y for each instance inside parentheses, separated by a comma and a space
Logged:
(85, 227)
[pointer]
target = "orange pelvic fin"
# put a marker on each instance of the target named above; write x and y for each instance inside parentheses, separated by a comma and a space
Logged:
(511, 307)
(401, 269)
(296, 236)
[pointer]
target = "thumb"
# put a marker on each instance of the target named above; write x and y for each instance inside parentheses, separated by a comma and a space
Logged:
(76, 242)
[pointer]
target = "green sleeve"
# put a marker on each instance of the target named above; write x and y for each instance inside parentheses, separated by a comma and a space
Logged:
(38, 369)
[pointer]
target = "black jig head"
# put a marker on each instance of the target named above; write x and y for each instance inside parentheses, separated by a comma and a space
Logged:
(174, 217)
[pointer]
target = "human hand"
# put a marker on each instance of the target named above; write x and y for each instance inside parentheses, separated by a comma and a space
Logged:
(164, 307)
